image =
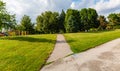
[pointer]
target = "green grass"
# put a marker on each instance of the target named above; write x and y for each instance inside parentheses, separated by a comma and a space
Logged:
(83, 41)
(27, 53)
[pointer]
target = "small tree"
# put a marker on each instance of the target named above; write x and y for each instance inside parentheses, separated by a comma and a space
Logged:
(27, 24)
(103, 23)
(61, 22)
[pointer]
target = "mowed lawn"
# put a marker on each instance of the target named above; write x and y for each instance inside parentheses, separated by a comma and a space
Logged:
(27, 53)
(82, 41)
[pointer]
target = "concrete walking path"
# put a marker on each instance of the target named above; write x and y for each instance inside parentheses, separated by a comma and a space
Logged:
(105, 57)
(61, 49)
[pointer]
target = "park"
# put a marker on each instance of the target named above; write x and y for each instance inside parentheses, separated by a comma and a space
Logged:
(70, 40)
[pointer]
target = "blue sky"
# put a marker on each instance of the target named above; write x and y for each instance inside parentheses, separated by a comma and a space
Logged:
(36, 7)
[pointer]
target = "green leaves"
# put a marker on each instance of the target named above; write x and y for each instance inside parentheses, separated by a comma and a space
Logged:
(6, 20)
(114, 20)
(71, 24)
(103, 22)
(61, 22)
(48, 22)
(89, 18)
(72, 20)
(26, 24)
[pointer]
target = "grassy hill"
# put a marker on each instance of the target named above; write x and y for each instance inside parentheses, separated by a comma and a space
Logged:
(27, 53)
(82, 41)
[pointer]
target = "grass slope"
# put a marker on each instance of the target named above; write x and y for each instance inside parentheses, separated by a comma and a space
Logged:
(82, 41)
(26, 53)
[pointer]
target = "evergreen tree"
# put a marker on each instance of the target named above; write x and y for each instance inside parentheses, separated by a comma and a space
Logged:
(71, 25)
(61, 22)
(27, 24)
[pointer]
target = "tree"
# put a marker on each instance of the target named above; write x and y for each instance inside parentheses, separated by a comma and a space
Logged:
(48, 22)
(2, 13)
(27, 24)
(61, 22)
(76, 16)
(89, 18)
(92, 17)
(84, 19)
(7, 20)
(39, 26)
(10, 21)
(114, 20)
(103, 22)
(71, 25)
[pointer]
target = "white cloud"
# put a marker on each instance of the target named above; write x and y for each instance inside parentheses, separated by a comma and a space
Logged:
(103, 7)
(82, 4)
(107, 7)
(36, 7)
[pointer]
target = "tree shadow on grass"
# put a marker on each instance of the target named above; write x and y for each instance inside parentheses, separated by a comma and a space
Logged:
(70, 41)
(65, 41)
(29, 39)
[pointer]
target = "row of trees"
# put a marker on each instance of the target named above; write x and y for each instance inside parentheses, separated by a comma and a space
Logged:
(71, 21)
(52, 22)
(75, 21)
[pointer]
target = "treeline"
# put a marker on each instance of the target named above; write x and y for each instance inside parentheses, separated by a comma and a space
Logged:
(71, 21)
(86, 19)
(75, 21)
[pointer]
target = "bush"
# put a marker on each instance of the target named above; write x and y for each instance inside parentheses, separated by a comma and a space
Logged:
(116, 27)
(93, 29)
(12, 33)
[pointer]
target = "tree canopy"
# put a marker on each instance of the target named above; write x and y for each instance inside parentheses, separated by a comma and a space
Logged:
(61, 22)
(73, 16)
(103, 22)
(114, 20)
(89, 18)
(48, 22)
(6, 20)
(26, 24)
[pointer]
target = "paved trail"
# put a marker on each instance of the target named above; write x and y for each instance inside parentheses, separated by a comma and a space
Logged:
(61, 49)
(105, 57)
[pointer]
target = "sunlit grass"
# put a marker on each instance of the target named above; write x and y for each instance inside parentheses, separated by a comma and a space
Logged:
(25, 53)
(82, 41)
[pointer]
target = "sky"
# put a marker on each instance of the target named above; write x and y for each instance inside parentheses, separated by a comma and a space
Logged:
(33, 8)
